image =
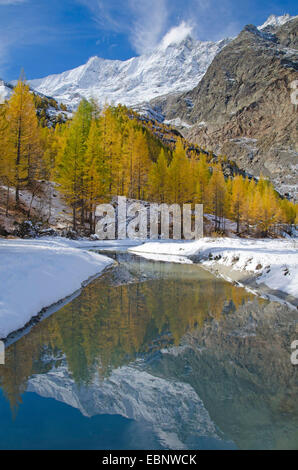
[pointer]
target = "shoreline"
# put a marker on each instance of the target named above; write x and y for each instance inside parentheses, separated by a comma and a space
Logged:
(248, 280)
(216, 256)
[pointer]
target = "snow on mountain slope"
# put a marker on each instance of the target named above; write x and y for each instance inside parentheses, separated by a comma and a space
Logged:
(177, 64)
(277, 21)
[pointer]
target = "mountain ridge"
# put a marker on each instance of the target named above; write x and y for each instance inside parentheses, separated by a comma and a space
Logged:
(175, 65)
(274, 20)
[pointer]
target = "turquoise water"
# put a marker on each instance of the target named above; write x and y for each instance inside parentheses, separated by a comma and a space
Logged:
(154, 355)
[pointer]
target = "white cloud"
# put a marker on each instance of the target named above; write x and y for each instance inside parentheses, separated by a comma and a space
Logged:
(177, 34)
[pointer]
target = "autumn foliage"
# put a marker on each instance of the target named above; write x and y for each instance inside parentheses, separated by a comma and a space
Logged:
(102, 153)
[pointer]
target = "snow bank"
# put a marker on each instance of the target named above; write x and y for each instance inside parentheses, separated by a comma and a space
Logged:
(275, 262)
(37, 273)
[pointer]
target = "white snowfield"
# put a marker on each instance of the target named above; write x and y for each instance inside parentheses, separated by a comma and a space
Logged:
(274, 261)
(276, 21)
(37, 273)
(177, 64)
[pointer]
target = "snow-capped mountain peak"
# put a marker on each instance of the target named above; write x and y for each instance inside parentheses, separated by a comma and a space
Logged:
(176, 36)
(177, 64)
(276, 21)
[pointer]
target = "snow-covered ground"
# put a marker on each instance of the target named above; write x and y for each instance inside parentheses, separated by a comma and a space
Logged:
(172, 408)
(274, 262)
(37, 273)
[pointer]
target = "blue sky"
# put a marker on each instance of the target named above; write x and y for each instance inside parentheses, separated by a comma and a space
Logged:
(50, 36)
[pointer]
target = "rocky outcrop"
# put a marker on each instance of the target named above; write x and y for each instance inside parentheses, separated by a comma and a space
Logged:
(242, 107)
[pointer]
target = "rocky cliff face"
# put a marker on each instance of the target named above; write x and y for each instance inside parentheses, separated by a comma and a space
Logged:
(242, 107)
(5, 91)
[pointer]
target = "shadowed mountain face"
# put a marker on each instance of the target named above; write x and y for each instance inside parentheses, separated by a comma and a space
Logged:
(242, 107)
